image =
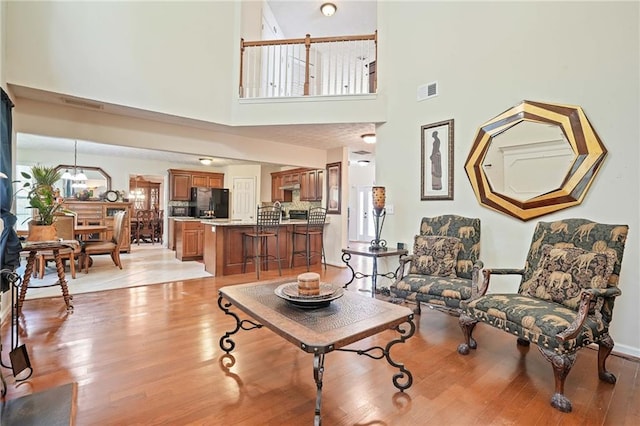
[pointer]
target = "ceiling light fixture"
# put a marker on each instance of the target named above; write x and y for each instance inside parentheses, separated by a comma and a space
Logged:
(369, 138)
(206, 161)
(79, 179)
(328, 9)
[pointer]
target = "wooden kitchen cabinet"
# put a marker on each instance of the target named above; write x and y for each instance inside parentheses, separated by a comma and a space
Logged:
(181, 182)
(310, 182)
(277, 194)
(180, 185)
(319, 184)
(311, 185)
(208, 180)
(189, 236)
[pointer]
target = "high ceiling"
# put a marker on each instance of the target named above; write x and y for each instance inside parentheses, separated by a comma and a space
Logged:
(295, 18)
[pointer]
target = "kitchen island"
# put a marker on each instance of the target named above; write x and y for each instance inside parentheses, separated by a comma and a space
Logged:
(221, 242)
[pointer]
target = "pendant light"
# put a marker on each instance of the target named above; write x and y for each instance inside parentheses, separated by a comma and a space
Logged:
(78, 178)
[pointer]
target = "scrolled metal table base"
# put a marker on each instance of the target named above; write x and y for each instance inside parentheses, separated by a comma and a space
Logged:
(226, 343)
(378, 352)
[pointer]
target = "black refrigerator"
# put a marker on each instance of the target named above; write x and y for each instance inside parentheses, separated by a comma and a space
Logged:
(209, 203)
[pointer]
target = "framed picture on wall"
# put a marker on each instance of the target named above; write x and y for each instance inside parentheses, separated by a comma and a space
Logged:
(436, 161)
(334, 188)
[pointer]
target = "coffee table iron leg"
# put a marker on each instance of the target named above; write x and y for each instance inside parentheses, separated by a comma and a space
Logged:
(378, 352)
(318, 370)
(404, 373)
(226, 344)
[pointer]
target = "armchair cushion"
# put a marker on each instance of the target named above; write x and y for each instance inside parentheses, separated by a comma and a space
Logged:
(562, 272)
(435, 255)
(439, 291)
(535, 320)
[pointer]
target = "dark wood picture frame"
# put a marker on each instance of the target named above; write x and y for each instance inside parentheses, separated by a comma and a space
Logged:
(436, 161)
(334, 187)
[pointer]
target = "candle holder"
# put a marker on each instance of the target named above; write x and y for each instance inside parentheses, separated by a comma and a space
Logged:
(378, 244)
(379, 213)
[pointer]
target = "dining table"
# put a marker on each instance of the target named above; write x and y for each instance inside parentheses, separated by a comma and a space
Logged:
(82, 231)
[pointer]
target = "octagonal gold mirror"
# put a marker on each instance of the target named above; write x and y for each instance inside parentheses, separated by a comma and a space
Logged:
(534, 159)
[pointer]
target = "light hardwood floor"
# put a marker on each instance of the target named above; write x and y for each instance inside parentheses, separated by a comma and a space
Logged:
(150, 356)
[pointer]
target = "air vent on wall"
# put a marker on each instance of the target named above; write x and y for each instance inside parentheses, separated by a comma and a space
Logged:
(427, 91)
(362, 152)
(82, 103)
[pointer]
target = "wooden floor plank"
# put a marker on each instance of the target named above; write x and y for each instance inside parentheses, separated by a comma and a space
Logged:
(150, 355)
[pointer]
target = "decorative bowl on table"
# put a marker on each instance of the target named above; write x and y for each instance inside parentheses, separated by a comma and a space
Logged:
(328, 293)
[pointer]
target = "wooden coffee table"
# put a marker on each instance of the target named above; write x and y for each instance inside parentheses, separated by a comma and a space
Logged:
(346, 320)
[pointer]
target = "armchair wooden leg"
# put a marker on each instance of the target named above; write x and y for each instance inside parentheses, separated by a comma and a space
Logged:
(562, 364)
(467, 324)
(605, 346)
(418, 309)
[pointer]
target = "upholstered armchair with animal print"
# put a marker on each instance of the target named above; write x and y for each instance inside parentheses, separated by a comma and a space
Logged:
(565, 299)
(444, 268)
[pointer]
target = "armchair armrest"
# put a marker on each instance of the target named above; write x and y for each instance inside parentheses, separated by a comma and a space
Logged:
(589, 298)
(404, 259)
(480, 284)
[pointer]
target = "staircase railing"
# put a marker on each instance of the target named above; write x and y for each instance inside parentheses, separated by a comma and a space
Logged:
(310, 66)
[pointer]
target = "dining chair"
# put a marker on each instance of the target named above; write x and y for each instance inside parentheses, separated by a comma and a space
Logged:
(111, 247)
(65, 230)
(146, 223)
(158, 228)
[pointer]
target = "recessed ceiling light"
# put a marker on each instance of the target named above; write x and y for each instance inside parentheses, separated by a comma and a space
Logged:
(206, 161)
(369, 138)
(328, 9)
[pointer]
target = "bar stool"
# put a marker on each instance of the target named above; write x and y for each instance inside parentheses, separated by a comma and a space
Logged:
(267, 226)
(313, 227)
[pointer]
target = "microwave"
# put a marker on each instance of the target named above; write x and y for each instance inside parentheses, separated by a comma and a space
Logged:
(179, 211)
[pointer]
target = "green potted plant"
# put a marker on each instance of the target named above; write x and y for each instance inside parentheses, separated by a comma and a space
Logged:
(42, 197)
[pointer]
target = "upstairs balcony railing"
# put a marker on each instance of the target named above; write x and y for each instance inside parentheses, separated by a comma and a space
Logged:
(310, 66)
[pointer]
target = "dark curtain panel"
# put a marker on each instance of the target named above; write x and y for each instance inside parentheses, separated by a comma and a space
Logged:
(6, 188)
(9, 244)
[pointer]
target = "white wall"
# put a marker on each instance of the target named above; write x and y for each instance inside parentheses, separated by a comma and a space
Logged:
(488, 57)
(157, 56)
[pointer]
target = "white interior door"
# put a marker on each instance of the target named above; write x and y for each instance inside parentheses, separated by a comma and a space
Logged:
(363, 213)
(244, 198)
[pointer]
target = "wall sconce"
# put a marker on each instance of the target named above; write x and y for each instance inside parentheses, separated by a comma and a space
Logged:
(369, 138)
(206, 161)
(328, 9)
(362, 163)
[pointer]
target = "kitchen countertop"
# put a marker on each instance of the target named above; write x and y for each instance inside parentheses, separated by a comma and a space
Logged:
(232, 222)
